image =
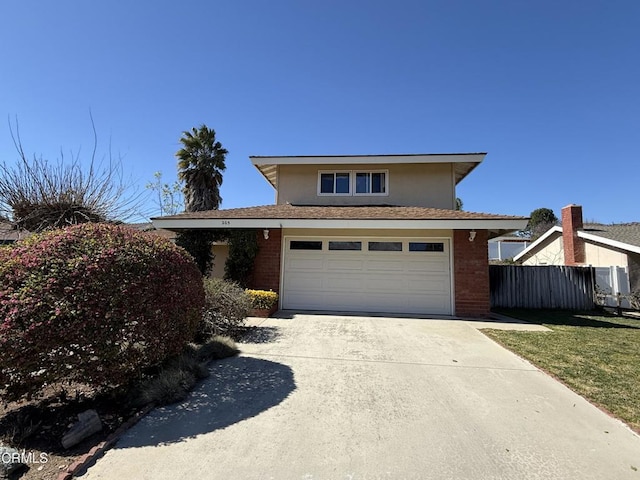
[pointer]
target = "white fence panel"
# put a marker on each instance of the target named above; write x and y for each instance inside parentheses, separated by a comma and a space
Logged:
(609, 282)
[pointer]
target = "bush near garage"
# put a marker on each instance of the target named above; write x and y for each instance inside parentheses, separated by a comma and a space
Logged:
(263, 299)
(226, 307)
(95, 304)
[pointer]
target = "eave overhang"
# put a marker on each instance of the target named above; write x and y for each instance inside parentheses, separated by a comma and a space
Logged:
(497, 226)
(463, 163)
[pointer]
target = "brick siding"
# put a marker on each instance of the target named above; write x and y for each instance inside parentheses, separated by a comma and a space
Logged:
(471, 274)
(266, 267)
(574, 249)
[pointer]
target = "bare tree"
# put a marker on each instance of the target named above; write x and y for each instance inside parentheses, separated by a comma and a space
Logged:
(170, 197)
(37, 194)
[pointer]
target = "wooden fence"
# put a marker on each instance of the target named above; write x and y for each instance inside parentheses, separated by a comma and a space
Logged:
(516, 286)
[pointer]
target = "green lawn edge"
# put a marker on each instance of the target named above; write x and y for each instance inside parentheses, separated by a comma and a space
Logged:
(595, 354)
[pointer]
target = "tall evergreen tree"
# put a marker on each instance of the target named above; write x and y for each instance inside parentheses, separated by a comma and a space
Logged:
(201, 162)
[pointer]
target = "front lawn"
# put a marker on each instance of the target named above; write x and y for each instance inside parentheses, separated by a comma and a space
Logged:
(596, 355)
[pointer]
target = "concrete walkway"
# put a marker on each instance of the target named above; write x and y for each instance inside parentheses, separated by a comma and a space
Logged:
(347, 397)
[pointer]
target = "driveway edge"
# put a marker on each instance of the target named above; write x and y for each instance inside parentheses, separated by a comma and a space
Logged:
(89, 457)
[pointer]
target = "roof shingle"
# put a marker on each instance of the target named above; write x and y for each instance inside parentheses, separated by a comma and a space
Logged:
(324, 212)
(621, 232)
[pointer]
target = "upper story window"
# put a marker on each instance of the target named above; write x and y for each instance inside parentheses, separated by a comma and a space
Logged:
(353, 182)
(335, 183)
(371, 183)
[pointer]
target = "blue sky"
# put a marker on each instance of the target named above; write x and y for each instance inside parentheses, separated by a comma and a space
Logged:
(551, 90)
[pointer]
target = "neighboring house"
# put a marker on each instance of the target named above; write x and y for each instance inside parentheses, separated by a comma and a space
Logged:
(368, 233)
(8, 234)
(149, 228)
(505, 247)
(616, 247)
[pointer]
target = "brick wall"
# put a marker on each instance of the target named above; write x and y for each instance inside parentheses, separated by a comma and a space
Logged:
(266, 270)
(574, 249)
(471, 274)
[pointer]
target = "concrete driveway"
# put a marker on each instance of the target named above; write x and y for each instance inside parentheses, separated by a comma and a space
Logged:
(347, 397)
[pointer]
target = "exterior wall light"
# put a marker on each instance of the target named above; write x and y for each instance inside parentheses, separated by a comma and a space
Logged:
(265, 232)
(472, 235)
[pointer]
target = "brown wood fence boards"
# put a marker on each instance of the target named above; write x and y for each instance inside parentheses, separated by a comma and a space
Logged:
(516, 286)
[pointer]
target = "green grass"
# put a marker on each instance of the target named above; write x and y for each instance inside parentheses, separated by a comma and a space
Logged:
(596, 355)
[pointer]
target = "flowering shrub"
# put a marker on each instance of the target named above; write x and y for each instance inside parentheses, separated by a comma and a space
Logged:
(263, 299)
(92, 303)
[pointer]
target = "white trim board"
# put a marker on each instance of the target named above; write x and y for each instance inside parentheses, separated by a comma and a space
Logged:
(220, 223)
(367, 159)
(609, 242)
(539, 241)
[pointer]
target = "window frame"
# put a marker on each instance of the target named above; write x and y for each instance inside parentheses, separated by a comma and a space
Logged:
(334, 194)
(427, 249)
(370, 173)
(334, 243)
(388, 242)
(352, 183)
(299, 245)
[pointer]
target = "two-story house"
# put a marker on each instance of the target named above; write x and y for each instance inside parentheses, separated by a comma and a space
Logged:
(367, 233)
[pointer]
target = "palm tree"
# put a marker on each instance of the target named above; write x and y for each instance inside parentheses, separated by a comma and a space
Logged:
(200, 166)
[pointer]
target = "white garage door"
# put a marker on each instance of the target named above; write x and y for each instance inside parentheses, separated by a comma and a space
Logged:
(367, 275)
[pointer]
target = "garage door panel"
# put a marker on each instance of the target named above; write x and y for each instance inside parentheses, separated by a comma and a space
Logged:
(390, 283)
(431, 265)
(305, 301)
(352, 283)
(305, 264)
(431, 285)
(389, 302)
(384, 265)
(434, 291)
(369, 281)
(344, 264)
(343, 301)
(436, 283)
(301, 281)
(437, 305)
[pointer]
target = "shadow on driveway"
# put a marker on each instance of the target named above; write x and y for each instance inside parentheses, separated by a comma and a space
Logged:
(238, 388)
(259, 334)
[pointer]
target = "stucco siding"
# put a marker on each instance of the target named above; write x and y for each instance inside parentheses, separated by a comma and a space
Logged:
(221, 253)
(599, 256)
(430, 185)
(549, 253)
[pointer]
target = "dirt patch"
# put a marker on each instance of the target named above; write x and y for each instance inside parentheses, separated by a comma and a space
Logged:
(36, 427)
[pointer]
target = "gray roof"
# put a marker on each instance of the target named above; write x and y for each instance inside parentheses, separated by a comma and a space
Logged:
(8, 234)
(149, 228)
(621, 232)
